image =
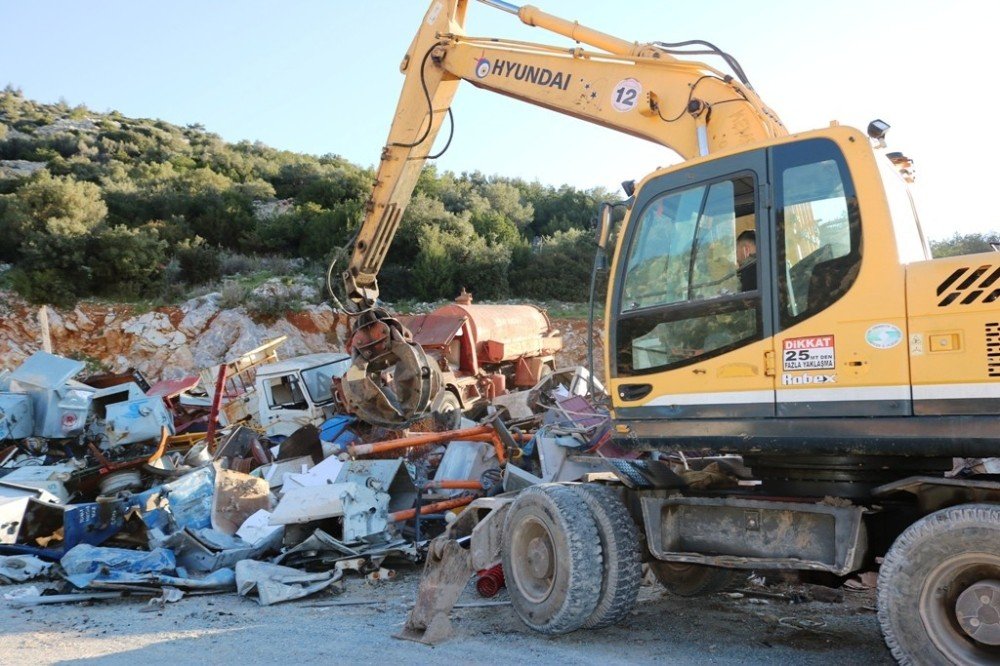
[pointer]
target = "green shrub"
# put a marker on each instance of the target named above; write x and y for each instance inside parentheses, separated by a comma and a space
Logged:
(559, 270)
(53, 269)
(199, 262)
(126, 262)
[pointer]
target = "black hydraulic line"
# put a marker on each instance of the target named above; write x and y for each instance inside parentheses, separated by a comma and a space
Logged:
(673, 47)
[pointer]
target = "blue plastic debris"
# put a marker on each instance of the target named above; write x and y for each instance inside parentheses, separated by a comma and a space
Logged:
(90, 567)
(335, 431)
(190, 498)
(84, 563)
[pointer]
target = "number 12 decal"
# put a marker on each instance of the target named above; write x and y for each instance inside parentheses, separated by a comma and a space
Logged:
(625, 95)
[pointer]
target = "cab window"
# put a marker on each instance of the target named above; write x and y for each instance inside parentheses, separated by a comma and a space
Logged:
(690, 284)
(286, 392)
(818, 225)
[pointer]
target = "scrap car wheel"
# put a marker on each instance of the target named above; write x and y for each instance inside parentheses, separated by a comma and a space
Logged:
(551, 559)
(939, 588)
(448, 410)
(693, 580)
(622, 568)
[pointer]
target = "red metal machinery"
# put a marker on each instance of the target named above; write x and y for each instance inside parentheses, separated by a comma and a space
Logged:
(482, 350)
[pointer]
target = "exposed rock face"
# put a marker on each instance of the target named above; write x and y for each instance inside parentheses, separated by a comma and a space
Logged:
(198, 312)
(67, 125)
(165, 343)
(174, 341)
(19, 168)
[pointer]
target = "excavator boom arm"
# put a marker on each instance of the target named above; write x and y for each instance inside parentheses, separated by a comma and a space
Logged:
(637, 89)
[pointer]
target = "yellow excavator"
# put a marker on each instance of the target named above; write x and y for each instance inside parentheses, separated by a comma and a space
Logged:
(771, 297)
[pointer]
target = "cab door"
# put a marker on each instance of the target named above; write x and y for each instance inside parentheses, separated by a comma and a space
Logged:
(840, 321)
(692, 314)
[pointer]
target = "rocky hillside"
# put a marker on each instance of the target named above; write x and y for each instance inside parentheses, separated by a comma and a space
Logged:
(166, 342)
(173, 341)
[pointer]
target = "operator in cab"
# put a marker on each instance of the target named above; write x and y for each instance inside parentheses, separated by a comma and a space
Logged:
(746, 260)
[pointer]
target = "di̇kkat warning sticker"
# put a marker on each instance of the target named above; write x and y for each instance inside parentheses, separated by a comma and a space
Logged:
(812, 353)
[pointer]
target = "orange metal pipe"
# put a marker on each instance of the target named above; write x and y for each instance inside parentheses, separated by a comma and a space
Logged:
(516, 436)
(164, 436)
(423, 439)
(494, 438)
(407, 514)
(448, 484)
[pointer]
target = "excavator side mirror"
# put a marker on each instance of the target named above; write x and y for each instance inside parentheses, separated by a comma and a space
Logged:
(603, 225)
(877, 129)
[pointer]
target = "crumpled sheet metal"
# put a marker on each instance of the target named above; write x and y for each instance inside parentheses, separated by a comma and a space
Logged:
(20, 568)
(92, 567)
(221, 580)
(205, 550)
(322, 549)
(275, 583)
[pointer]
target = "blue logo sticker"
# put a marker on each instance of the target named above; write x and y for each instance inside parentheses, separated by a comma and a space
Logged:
(883, 336)
(482, 68)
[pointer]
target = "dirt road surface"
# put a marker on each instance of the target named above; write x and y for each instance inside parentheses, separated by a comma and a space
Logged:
(227, 629)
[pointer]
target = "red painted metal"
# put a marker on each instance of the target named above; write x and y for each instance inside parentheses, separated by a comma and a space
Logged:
(503, 332)
(171, 388)
(213, 415)
(490, 581)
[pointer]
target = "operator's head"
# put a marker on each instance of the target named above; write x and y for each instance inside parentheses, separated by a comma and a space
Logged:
(746, 245)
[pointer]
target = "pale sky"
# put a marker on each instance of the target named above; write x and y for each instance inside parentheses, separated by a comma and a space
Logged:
(322, 77)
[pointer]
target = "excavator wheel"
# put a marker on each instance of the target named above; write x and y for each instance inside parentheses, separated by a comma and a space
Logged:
(694, 580)
(622, 574)
(552, 561)
(939, 588)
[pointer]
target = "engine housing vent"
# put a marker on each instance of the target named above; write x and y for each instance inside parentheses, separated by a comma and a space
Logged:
(967, 286)
(993, 348)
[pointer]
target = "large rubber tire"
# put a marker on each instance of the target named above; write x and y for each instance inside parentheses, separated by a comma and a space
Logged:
(926, 569)
(694, 580)
(552, 560)
(622, 568)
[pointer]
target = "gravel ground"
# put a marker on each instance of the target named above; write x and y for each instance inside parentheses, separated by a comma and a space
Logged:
(227, 629)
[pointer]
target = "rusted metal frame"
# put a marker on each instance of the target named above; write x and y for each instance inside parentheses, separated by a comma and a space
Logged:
(213, 414)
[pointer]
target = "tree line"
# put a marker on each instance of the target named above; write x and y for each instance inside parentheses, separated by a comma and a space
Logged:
(98, 204)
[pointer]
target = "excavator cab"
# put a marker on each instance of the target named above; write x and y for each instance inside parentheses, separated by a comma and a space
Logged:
(708, 348)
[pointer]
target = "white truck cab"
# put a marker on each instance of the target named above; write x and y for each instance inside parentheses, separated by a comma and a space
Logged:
(298, 391)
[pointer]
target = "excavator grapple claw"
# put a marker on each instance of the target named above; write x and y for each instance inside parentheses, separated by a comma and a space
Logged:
(391, 381)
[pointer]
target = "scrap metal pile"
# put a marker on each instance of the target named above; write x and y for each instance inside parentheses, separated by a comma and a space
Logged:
(251, 477)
